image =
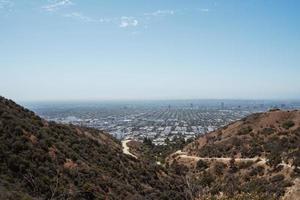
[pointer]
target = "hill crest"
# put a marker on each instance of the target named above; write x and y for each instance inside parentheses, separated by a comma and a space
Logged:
(259, 153)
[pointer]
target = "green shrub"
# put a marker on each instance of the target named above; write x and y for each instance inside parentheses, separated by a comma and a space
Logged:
(219, 168)
(268, 131)
(288, 124)
(201, 165)
(245, 130)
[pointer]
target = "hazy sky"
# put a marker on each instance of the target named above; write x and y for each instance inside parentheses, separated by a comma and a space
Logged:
(138, 49)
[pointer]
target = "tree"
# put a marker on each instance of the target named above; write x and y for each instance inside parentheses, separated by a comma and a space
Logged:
(219, 168)
(232, 167)
(148, 142)
(288, 124)
(274, 159)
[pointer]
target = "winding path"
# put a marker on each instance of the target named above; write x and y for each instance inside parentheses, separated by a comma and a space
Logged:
(126, 148)
(260, 160)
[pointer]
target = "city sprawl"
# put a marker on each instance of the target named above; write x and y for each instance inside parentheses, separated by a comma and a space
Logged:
(158, 121)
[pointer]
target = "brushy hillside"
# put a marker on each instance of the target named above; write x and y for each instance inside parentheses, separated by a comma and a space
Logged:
(274, 135)
(259, 154)
(255, 158)
(45, 160)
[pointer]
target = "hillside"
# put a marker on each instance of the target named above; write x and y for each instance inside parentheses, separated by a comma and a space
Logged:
(259, 155)
(255, 158)
(45, 160)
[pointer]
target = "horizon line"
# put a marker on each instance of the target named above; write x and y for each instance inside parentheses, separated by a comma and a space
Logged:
(145, 100)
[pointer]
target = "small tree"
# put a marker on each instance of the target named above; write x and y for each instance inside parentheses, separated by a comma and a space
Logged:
(232, 167)
(219, 168)
(148, 142)
(274, 159)
(288, 124)
(201, 165)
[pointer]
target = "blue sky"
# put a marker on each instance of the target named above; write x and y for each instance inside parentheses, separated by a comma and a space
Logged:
(137, 49)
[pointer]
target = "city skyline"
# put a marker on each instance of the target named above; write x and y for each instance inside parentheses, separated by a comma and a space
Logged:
(91, 50)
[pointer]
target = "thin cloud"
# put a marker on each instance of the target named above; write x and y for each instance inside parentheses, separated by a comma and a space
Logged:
(204, 10)
(79, 16)
(160, 13)
(57, 4)
(6, 4)
(84, 18)
(128, 22)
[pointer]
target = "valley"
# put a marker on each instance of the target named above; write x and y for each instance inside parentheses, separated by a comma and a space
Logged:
(256, 157)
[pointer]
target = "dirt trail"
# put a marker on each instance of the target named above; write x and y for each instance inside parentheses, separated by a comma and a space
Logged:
(259, 160)
(126, 148)
(292, 193)
(223, 159)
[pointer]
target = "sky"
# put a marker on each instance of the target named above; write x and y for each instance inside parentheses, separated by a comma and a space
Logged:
(158, 49)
